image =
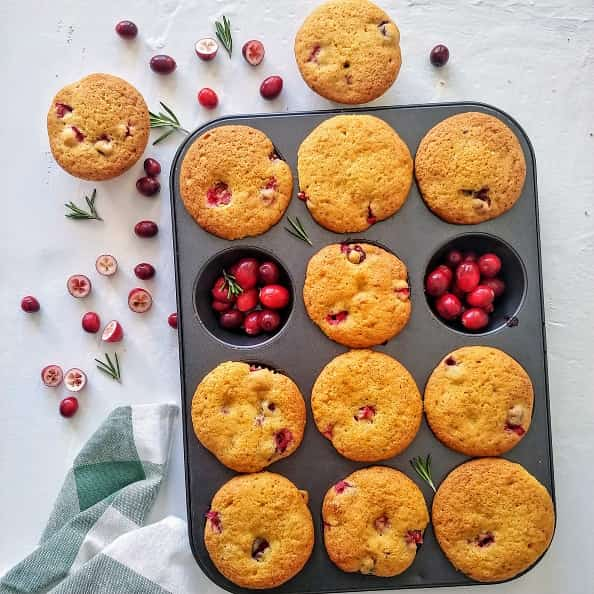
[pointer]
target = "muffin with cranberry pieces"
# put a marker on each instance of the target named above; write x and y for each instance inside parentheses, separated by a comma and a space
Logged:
(98, 127)
(492, 519)
(233, 183)
(374, 521)
(478, 401)
(354, 170)
(348, 51)
(259, 531)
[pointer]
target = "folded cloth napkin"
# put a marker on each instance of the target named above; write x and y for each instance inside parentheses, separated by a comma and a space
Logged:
(92, 542)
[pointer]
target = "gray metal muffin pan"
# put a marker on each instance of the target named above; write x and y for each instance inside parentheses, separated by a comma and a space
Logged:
(301, 350)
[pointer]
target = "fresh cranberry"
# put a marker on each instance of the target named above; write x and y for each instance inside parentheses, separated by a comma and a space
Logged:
(269, 320)
(341, 486)
(489, 265)
(467, 276)
(474, 319)
(52, 375)
(126, 29)
(221, 306)
(274, 296)
(247, 300)
(453, 258)
(220, 291)
(139, 300)
(245, 272)
(162, 64)
(271, 87)
(447, 271)
(146, 229)
(231, 320)
(144, 270)
(68, 406)
(91, 322)
(437, 282)
(336, 318)
(148, 186)
(439, 55)
(152, 167)
(253, 52)
(208, 98)
(469, 256)
(172, 320)
(448, 306)
(489, 308)
(30, 304)
(218, 195)
(282, 439)
(482, 296)
(268, 273)
(206, 48)
(496, 284)
(251, 323)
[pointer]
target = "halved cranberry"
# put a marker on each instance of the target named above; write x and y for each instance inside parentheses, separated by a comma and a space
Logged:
(144, 270)
(365, 413)
(62, 109)
(78, 285)
(269, 320)
(231, 320)
(496, 284)
(126, 29)
(251, 323)
(253, 52)
(484, 539)
(337, 318)
(106, 265)
(68, 406)
(468, 276)
(414, 538)
(206, 48)
(245, 272)
(218, 195)
(91, 322)
(52, 375)
(274, 296)
(221, 306)
(259, 546)
(247, 300)
(268, 273)
(282, 439)
(214, 520)
(172, 320)
(271, 87)
(341, 486)
(489, 265)
(139, 300)
(474, 319)
(75, 379)
(448, 306)
(30, 304)
(162, 64)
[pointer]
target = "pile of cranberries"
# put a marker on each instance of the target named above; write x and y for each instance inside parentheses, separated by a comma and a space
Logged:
(249, 299)
(465, 287)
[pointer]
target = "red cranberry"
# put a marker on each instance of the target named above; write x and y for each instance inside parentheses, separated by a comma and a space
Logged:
(274, 296)
(91, 322)
(453, 258)
(341, 486)
(437, 282)
(148, 186)
(439, 55)
(447, 271)
(30, 304)
(337, 318)
(482, 296)
(162, 64)
(469, 256)
(489, 265)
(146, 229)
(231, 320)
(245, 272)
(253, 52)
(152, 167)
(302, 196)
(269, 320)
(282, 440)
(221, 306)
(496, 284)
(474, 318)
(68, 406)
(271, 87)
(144, 270)
(259, 547)
(126, 29)
(268, 273)
(220, 291)
(62, 109)
(251, 323)
(172, 320)
(247, 300)
(467, 276)
(448, 306)
(218, 195)
(208, 98)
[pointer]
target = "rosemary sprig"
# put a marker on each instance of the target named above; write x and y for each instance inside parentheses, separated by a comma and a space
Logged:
(232, 286)
(78, 213)
(109, 368)
(423, 469)
(165, 120)
(224, 34)
(297, 230)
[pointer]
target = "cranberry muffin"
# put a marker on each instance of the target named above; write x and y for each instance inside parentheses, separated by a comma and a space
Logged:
(478, 401)
(367, 404)
(470, 168)
(492, 519)
(233, 183)
(248, 416)
(374, 521)
(357, 293)
(259, 531)
(348, 51)
(98, 127)
(372, 187)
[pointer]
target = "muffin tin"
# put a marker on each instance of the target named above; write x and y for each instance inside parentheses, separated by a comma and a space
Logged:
(300, 349)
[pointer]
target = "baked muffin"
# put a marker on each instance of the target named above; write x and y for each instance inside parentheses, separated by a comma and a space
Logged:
(478, 401)
(354, 170)
(247, 416)
(259, 532)
(470, 168)
(348, 51)
(98, 127)
(367, 404)
(357, 293)
(233, 183)
(492, 519)
(374, 521)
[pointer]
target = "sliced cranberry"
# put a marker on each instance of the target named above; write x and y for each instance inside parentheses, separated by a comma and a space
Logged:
(78, 285)
(517, 429)
(148, 186)
(62, 109)
(139, 300)
(126, 29)
(79, 135)
(414, 538)
(231, 320)
(30, 304)
(315, 52)
(106, 265)
(474, 319)
(341, 486)
(214, 520)
(91, 322)
(218, 195)
(469, 256)
(259, 547)
(454, 258)
(52, 375)
(206, 48)
(496, 284)
(269, 320)
(251, 323)
(468, 276)
(381, 524)
(282, 439)
(144, 271)
(489, 265)
(69, 406)
(162, 64)
(337, 318)
(482, 296)
(172, 320)
(484, 539)
(253, 52)
(221, 306)
(271, 87)
(247, 300)
(274, 296)
(75, 379)
(448, 306)
(245, 272)
(268, 273)
(113, 332)
(302, 196)
(365, 413)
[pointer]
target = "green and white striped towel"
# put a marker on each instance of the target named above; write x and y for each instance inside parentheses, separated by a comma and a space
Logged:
(93, 543)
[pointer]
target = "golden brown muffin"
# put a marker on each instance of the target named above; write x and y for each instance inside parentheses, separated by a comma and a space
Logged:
(367, 404)
(354, 170)
(357, 293)
(492, 519)
(247, 416)
(374, 521)
(259, 532)
(233, 183)
(98, 127)
(348, 51)
(478, 401)
(470, 168)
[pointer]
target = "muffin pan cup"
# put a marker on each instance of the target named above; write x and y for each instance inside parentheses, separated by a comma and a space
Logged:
(415, 234)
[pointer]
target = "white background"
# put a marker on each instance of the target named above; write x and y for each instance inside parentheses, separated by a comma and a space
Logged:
(532, 59)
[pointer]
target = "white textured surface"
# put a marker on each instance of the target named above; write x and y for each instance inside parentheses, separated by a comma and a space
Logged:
(533, 59)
